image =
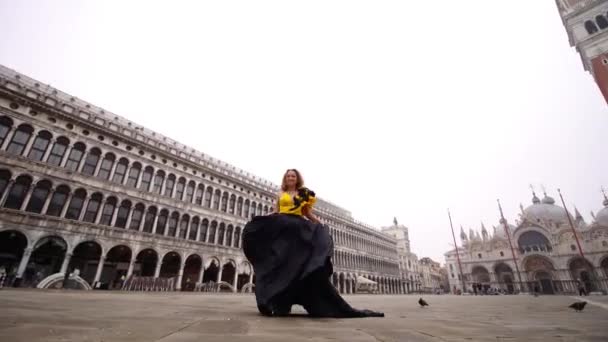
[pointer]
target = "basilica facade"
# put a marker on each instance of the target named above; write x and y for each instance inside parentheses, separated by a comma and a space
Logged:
(89, 193)
(548, 255)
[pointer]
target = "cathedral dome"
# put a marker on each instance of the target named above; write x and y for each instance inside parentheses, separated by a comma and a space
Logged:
(602, 216)
(545, 210)
(499, 231)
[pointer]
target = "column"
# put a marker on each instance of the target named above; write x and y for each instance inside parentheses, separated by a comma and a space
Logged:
(113, 170)
(28, 146)
(25, 259)
(126, 177)
(235, 280)
(84, 208)
(102, 260)
(47, 202)
(99, 212)
(219, 274)
(155, 223)
(201, 273)
(188, 229)
(129, 217)
(142, 221)
(131, 265)
(66, 205)
(81, 163)
(64, 159)
(139, 177)
(180, 275)
(48, 150)
(66, 262)
(26, 200)
(251, 277)
(114, 215)
(6, 191)
(9, 137)
(162, 186)
(159, 263)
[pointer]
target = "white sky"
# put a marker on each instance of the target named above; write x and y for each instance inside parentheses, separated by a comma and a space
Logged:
(390, 108)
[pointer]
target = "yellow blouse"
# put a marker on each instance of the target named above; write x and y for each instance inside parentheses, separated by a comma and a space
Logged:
(294, 205)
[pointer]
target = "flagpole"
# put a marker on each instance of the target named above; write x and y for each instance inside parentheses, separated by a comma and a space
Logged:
(457, 253)
(503, 220)
(580, 250)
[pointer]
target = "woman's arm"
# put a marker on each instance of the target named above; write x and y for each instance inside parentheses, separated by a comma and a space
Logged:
(276, 206)
(307, 212)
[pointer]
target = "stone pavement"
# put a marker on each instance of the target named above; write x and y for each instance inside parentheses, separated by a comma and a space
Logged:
(37, 315)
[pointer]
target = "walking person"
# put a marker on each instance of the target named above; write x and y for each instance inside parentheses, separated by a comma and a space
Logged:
(581, 287)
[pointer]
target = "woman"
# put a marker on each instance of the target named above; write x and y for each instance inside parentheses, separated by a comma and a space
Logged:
(290, 251)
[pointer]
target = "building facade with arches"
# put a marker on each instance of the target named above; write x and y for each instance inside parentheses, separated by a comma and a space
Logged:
(82, 188)
(548, 256)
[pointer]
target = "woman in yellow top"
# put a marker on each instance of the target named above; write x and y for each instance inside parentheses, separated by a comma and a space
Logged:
(290, 251)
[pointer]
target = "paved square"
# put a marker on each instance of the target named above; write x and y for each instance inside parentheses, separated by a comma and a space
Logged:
(35, 315)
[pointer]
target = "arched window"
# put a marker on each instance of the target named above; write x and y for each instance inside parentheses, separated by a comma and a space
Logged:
(137, 216)
(190, 192)
(58, 151)
(208, 195)
(237, 237)
(60, 196)
(5, 178)
(259, 211)
(220, 234)
(108, 211)
(172, 226)
(203, 233)
(158, 182)
(194, 229)
(20, 139)
(90, 162)
(265, 210)
(123, 214)
(252, 210)
(121, 171)
(41, 143)
(17, 193)
(169, 185)
(225, 202)
(6, 124)
(179, 190)
(239, 206)
(149, 221)
(75, 157)
(601, 21)
(39, 196)
(183, 226)
(229, 236)
(75, 206)
(90, 213)
(162, 222)
(200, 192)
(106, 166)
(146, 178)
(212, 231)
(232, 204)
(246, 209)
(216, 199)
(133, 175)
(590, 27)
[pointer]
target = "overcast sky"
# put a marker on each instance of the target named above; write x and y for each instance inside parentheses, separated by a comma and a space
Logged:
(389, 108)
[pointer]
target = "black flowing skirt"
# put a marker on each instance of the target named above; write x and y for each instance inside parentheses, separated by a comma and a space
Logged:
(291, 257)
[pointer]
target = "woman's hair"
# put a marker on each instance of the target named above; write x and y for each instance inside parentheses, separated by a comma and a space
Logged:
(299, 181)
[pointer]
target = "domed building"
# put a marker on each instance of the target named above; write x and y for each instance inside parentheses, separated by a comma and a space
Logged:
(546, 254)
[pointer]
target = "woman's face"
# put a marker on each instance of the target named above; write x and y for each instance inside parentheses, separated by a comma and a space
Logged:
(291, 178)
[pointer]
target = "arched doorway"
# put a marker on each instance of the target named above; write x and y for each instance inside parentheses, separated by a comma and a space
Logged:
(12, 246)
(504, 275)
(211, 272)
(481, 279)
(228, 273)
(243, 277)
(145, 263)
(85, 259)
(115, 267)
(342, 283)
(192, 270)
(581, 269)
(540, 271)
(170, 266)
(46, 259)
(604, 266)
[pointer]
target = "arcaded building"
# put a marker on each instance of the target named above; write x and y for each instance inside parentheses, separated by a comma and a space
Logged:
(84, 189)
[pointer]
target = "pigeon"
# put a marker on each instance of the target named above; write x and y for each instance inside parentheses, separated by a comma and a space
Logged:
(578, 306)
(422, 302)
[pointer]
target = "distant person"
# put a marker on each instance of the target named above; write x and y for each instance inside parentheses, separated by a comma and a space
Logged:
(581, 287)
(2, 276)
(290, 251)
